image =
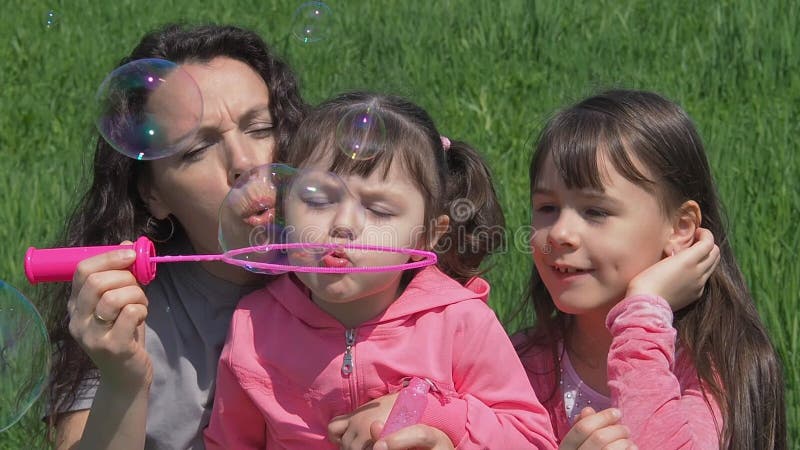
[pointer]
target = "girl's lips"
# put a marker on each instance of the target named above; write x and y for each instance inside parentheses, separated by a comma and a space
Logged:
(335, 260)
(563, 273)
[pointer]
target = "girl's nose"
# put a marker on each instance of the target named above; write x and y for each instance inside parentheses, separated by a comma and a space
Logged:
(348, 222)
(564, 232)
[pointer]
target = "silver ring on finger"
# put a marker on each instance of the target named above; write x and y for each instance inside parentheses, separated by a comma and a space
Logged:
(101, 320)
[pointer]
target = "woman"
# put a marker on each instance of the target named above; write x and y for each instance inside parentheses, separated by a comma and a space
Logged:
(119, 381)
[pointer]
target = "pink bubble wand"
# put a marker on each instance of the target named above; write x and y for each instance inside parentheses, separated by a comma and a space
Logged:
(59, 264)
(409, 406)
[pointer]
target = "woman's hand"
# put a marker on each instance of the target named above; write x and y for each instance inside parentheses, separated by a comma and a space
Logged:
(598, 430)
(680, 278)
(107, 309)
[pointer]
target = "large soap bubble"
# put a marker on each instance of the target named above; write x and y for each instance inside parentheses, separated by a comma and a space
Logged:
(24, 355)
(149, 109)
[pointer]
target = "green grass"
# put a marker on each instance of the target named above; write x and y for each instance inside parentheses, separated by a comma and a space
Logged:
(489, 72)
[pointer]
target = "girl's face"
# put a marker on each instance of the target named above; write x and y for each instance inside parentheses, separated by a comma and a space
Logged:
(588, 244)
(236, 134)
(375, 210)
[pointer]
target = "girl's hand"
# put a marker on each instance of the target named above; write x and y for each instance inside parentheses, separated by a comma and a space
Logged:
(414, 437)
(352, 431)
(107, 309)
(680, 278)
(598, 430)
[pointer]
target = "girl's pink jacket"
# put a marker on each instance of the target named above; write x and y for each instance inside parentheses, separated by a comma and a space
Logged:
(282, 375)
(657, 389)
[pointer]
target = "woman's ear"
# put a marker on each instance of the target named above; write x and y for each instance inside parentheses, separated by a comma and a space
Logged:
(440, 227)
(685, 221)
(152, 198)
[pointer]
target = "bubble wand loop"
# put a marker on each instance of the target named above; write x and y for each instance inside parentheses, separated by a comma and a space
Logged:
(58, 264)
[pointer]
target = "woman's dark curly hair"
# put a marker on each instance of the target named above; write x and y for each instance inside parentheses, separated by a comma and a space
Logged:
(112, 210)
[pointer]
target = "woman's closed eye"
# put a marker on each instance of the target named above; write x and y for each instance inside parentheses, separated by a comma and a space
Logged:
(195, 153)
(260, 130)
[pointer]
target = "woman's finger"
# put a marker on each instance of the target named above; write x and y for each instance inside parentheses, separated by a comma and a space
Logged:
(126, 327)
(112, 301)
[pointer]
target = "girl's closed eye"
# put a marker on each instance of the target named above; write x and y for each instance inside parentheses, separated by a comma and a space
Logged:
(380, 211)
(316, 200)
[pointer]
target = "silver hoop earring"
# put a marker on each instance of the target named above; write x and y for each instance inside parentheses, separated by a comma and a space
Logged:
(152, 229)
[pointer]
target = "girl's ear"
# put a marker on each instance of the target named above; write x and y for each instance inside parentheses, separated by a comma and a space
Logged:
(152, 198)
(440, 227)
(684, 223)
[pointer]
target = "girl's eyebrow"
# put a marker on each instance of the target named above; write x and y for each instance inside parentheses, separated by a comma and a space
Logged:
(542, 191)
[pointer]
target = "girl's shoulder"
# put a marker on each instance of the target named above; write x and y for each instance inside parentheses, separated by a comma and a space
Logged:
(535, 350)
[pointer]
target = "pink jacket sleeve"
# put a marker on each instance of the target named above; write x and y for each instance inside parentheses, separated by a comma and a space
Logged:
(663, 405)
(496, 407)
(235, 421)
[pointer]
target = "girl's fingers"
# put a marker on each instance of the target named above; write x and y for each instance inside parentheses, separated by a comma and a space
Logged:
(585, 427)
(613, 436)
(416, 436)
(621, 444)
(336, 428)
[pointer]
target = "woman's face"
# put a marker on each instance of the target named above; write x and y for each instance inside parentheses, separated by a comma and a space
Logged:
(236, 134)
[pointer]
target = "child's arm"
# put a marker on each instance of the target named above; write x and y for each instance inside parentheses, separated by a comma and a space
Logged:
(235, 420)
(662, 409)
(495, 406)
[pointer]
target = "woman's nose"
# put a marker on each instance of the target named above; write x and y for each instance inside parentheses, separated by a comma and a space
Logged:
(241, 157)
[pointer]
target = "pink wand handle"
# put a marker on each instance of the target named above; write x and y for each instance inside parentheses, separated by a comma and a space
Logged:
(409, 406)
(59, 264)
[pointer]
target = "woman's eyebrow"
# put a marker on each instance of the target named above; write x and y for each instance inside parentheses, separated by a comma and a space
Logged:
(254, 112)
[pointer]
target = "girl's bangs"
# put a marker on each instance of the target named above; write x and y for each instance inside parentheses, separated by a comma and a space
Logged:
(576, 140)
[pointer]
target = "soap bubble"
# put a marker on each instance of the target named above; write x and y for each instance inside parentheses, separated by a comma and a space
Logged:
(251, 214)
(361, 133)
(50, 19)
(149, 109)
(24, 355)
(311, 22)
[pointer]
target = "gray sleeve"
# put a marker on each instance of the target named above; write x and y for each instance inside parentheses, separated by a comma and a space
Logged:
(84, 395)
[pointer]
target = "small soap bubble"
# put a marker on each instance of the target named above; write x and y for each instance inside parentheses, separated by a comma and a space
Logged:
(149, 109)
(50, 19)
(311, 22)
(24, 355)
(361, 133)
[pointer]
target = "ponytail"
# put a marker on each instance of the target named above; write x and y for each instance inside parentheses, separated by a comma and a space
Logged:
(477, 224)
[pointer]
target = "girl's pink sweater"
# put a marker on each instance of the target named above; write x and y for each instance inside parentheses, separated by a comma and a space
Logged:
(656, 388)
